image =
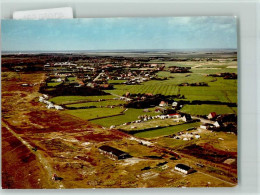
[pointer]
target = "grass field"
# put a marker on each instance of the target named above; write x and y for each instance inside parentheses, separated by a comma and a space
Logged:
(166, 130)
(149, 124)
(92, 113)
(205, 109)
(98, 104)
(130, 115)
(75, 99)
(219, 89)
(54, 84)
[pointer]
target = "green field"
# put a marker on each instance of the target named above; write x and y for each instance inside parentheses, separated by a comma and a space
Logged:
(166, 130)
(98, 104)
(75, 99)
(92, 113)
(54, 84)
(205, 109)
(219, 89)
(130, 115)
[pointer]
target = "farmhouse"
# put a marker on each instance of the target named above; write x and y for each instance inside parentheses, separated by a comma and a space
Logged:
(184, 169)
(212, 115)
(113, 152)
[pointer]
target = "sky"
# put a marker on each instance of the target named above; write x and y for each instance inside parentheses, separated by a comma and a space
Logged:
(217, 32)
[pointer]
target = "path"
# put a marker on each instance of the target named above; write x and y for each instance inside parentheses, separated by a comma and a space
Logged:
(128, 99)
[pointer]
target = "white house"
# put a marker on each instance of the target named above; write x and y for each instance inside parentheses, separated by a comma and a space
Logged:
(174, 104)
(217, 124)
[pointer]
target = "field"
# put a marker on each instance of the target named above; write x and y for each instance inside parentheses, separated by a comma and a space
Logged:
(205, 109)
(219, 89)
(92, 113)
(75, 99)
(98, 104)
(166, 130)
(129, 115)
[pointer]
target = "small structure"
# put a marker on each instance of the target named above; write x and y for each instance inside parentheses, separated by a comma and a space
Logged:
(174, 104)
(184, 169)
(163, 104)
(212, 115)
(206, 126)
(217, 124)
(186, 118)
(113, 152)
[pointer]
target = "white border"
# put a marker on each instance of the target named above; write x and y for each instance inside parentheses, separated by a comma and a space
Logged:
(249, 73)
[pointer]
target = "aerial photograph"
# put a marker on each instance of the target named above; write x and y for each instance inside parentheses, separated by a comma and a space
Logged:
(119, 102)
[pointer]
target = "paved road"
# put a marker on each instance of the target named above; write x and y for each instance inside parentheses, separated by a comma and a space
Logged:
(40, 156)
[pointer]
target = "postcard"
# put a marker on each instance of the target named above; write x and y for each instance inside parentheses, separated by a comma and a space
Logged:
(119, 102)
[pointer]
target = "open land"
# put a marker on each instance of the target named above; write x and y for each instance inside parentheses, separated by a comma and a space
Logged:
(162, 109)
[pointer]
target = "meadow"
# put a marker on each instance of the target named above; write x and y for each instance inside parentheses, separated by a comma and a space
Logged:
(131, 114)
(75, 99)
(92, 113)
(166, 130)
(205, 109)
(98, 104)
(218, 89)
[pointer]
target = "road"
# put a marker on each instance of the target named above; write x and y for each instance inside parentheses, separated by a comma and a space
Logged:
(203, 120)
(39, 155)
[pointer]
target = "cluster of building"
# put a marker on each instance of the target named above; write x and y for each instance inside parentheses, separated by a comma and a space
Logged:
(225, 75)
(185, 136)
(194, 84)
(177, 69)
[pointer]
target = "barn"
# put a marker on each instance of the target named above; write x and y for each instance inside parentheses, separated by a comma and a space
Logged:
(184, 169)
(113, 152)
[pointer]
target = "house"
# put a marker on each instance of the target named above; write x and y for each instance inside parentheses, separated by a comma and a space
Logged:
(175, 115)
(186, 118)
(113, 152)
(206, 126)
(184, 169)
(197, 136)
(217, 124)
(174, 104)
(212, 115)
(163, 104)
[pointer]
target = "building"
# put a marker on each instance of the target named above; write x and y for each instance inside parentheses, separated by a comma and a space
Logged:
(186, 118)
(113, 152)
(218, 124)
(174, 104)
(184, 169)
(163, 104)
(206, 126)
(212, 115)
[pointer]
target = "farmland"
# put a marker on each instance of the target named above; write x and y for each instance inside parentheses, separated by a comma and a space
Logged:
(128, 116)
(205, 109)
(166, 130)
(92, 113)
(75, 99)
